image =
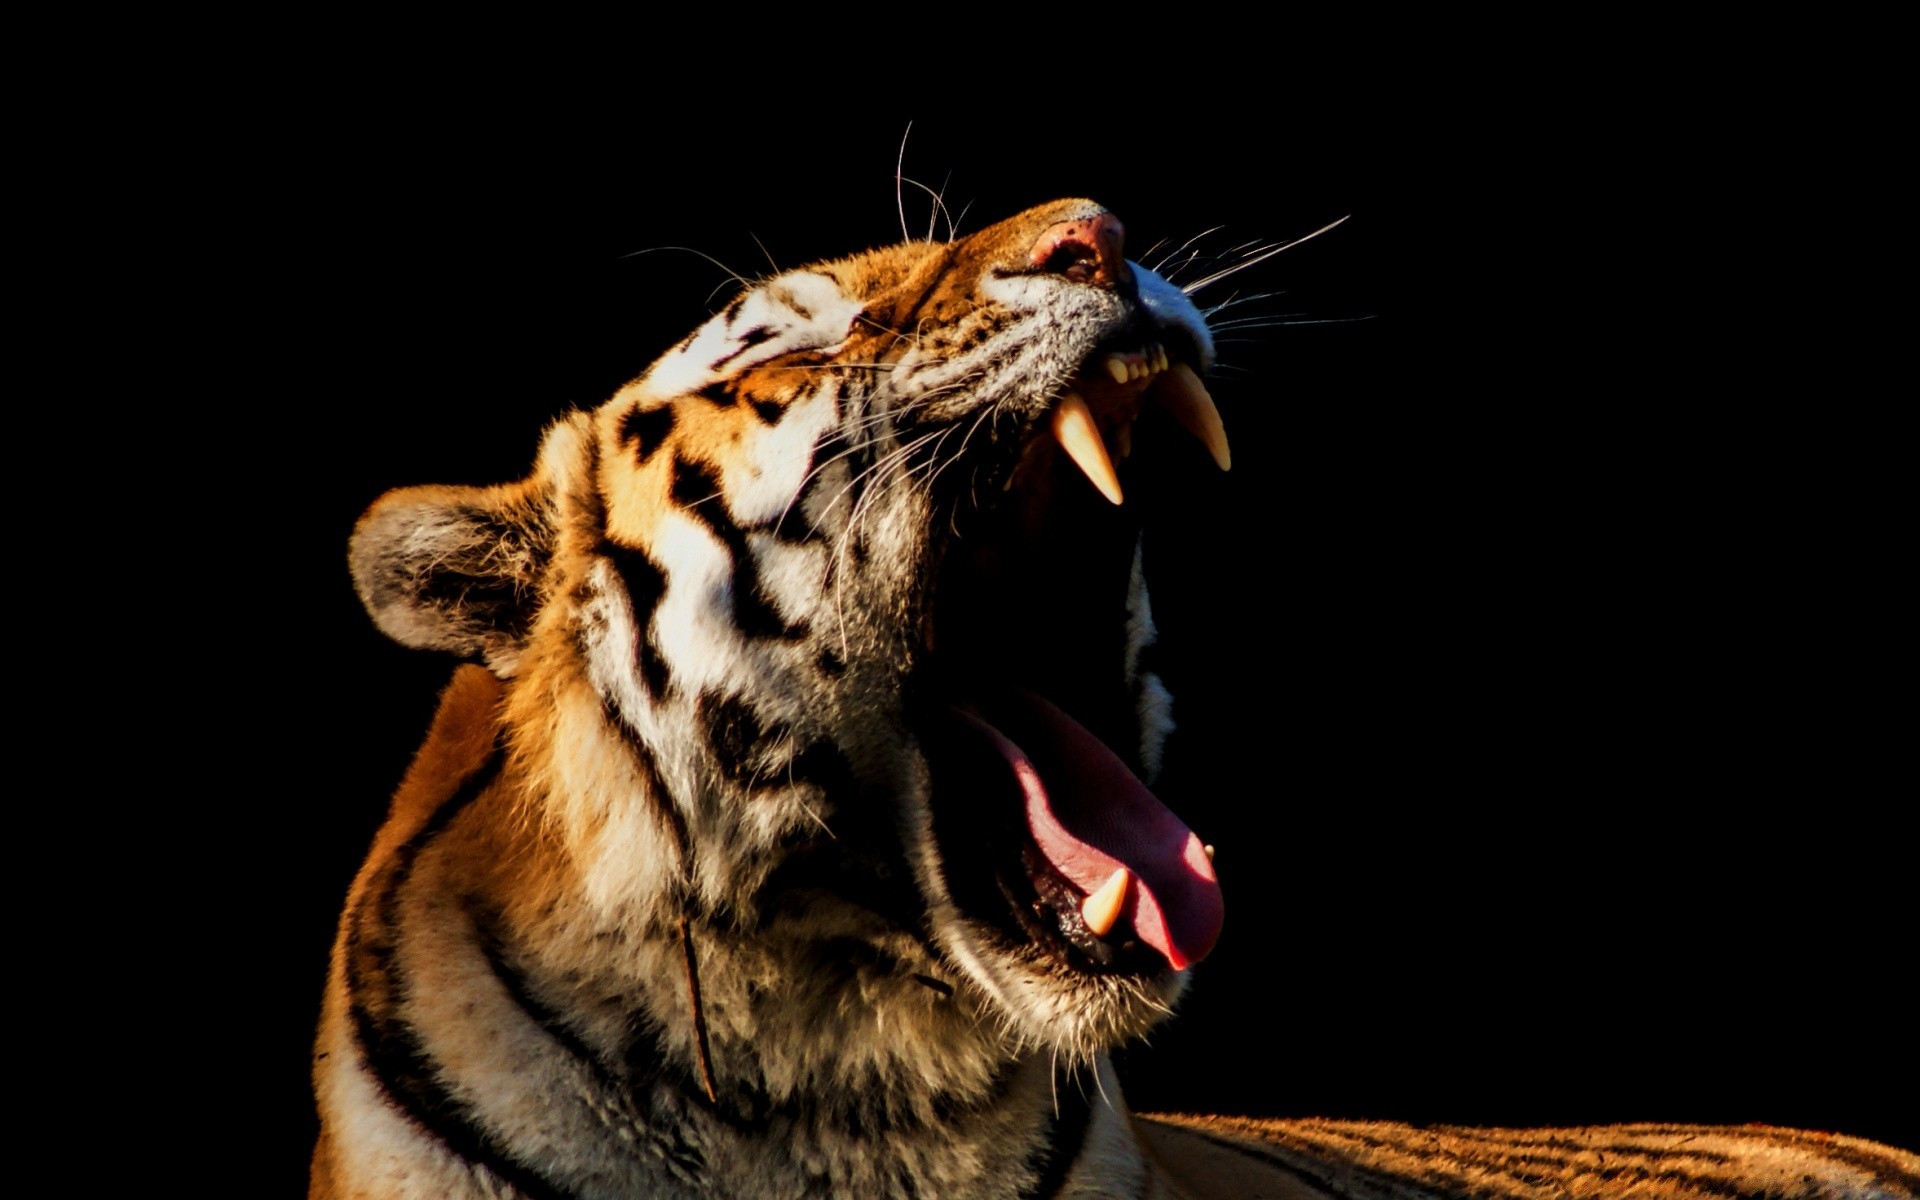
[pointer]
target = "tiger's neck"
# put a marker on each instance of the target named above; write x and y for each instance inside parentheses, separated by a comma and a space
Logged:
(841, 1051)
(833, 1063)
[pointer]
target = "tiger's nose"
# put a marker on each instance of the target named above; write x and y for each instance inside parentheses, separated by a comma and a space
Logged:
(1086, 250)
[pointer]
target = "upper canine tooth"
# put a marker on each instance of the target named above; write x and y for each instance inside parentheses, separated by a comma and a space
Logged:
(1117, 367)
(1074, 429)
(1102, 909)
(1182, 395)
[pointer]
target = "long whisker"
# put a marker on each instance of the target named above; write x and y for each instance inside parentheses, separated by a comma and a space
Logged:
(899, 172)
(939, 207)
(1268, 319)
(868, 421)
(764, 250)
(1169, 272)
(1184, 246)
(960, 455)
(1261, 257)
(736, 276)
(1237, 299)
(940, 198)
(827, 366)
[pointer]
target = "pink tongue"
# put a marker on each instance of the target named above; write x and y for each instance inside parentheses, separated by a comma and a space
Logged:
(1091, 816)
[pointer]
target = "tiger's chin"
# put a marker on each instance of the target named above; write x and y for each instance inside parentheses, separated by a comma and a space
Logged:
(1063, 887)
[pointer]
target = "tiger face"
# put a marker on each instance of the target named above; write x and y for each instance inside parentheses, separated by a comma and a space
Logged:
(826, 631)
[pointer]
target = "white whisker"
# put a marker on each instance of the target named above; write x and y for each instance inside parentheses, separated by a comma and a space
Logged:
(1237, 299)
(939, 207)
(899, 170)
(764, 250)
(736, 276)
(1261, 257)
(1184, 246)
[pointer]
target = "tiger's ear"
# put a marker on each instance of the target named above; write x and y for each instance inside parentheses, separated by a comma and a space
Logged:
(464, 568)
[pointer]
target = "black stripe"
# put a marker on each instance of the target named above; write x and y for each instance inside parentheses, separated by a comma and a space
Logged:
(748, 340)
(824, 765)
(939, 986)
(649, 771)
(394, 875)
(1065, 1139)
(1446, 1164)
(646, 583)
(1880, 1166)
(647, 427)
(394, 1056)
(1516, 1145)
(646, 1061)
(1667, 1164)
(1673, 1177)
(1443, 1164)
(643, 1070)
(698, 493)
(793, 526)
(720, 395)
(858, 462)
(514, 982)
(769, 411)
(402, 1070)
(747, 749)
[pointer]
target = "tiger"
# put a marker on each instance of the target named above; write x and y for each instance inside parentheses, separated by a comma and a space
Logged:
(788, 830)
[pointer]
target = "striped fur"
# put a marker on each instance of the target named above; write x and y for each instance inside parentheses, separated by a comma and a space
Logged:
(703, 885)
(1360, 1160)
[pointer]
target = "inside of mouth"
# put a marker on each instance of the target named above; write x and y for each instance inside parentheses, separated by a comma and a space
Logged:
(1089, 818)
(1036, 805)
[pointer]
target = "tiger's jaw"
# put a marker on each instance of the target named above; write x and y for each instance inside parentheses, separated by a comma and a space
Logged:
(1072, 895)
(1064, 889)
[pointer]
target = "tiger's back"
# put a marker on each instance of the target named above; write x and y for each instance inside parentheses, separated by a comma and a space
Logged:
(1364, 1160)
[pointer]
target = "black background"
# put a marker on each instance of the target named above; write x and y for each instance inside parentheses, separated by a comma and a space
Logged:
(1518, 675)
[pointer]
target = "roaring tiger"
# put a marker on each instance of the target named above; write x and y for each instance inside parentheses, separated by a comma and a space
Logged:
(792, 839)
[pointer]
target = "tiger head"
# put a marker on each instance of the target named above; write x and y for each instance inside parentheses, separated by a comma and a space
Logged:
(826, 632)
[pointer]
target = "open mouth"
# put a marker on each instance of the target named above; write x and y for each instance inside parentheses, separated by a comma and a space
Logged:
(1032, 725)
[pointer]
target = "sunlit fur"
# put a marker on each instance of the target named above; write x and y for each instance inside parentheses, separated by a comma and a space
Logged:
(689, 763)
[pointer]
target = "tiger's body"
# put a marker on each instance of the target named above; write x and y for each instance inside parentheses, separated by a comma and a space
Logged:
(791, 842)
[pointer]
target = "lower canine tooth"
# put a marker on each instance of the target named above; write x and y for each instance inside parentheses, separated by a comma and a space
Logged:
(1074, 429)
(1182, 394)
(1102, 909)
